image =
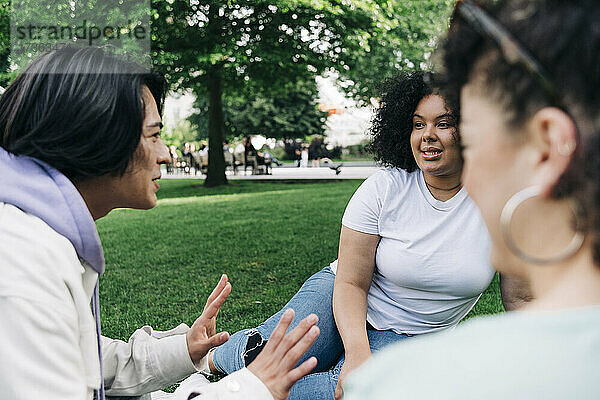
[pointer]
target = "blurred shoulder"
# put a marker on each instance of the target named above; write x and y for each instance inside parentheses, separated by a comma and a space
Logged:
(420, 367)
(522, 347)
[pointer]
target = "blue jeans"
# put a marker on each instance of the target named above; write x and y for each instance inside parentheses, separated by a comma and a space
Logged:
(315, 296)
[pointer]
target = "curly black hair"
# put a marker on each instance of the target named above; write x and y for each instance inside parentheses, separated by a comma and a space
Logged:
(393, 121)
(563, 36)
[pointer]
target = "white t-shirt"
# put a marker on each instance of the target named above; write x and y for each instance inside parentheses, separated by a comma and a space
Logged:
(432, 262)
(552, 355)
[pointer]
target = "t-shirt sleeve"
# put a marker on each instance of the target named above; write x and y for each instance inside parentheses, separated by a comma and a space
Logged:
(364, 208)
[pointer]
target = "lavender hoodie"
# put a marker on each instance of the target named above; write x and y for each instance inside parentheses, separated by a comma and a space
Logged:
(41, 190)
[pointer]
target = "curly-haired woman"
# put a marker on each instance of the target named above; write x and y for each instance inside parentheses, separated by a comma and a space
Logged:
(413, 254)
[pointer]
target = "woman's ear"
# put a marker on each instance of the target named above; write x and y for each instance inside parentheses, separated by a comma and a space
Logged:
(554, 137)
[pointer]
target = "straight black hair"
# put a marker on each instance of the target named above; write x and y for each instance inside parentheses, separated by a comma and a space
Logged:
(80, 110)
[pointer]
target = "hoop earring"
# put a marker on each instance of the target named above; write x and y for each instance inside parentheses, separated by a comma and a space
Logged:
(506, 217)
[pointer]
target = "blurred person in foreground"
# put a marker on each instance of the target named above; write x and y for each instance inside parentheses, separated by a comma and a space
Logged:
(528, 77)
(80, 136)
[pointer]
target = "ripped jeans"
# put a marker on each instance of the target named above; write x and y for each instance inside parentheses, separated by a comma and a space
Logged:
(315, 296)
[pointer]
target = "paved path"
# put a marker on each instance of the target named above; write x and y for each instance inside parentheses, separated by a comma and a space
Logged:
(356, 170)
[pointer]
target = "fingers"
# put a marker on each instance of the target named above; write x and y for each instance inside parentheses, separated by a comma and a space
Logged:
(302, 369)
(298, 350)
(279, 331)
(217, 290)
(295, 336)
(212, 308)
(198, 347)
(218, 339)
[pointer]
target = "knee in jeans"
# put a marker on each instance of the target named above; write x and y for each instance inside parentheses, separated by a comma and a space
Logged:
(250, 332)
(254, 346)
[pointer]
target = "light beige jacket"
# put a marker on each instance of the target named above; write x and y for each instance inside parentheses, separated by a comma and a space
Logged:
(48, 347)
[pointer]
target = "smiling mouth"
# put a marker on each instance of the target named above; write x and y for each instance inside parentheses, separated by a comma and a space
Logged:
(432, 154)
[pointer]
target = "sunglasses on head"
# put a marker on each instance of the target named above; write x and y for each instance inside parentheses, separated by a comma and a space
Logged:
(512, 51)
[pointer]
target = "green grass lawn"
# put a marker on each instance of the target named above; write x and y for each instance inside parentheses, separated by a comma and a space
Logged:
(267, 236)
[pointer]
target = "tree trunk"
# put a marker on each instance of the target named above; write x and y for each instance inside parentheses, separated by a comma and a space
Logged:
(216, 161)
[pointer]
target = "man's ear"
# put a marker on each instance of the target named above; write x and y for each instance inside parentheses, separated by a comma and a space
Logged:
(554, 137)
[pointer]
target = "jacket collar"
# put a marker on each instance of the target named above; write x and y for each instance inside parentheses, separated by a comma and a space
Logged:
(41, 190)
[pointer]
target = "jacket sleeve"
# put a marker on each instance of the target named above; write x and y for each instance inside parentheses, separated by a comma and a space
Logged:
(149, 361)
(240, 385)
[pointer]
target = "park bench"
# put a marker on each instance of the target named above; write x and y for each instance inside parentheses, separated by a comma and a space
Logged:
(233, 161)
(258, 168)
(201, 162)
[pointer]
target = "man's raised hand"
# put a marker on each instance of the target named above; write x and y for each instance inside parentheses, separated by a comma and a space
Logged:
(202, 335)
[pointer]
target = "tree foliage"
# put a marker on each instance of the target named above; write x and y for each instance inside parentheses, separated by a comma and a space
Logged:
(270, 45)
(33, 27)
(403, 37)
(179, 134)
(5, 74)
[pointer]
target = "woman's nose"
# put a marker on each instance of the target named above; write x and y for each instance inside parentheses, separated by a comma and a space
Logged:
(429, 134)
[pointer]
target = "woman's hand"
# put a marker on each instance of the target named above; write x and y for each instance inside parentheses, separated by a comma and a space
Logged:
(202, 335)
(274, 366)
(350, 363)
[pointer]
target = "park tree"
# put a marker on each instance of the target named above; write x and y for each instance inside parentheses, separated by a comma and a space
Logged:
(294, 115)
(241, 48)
